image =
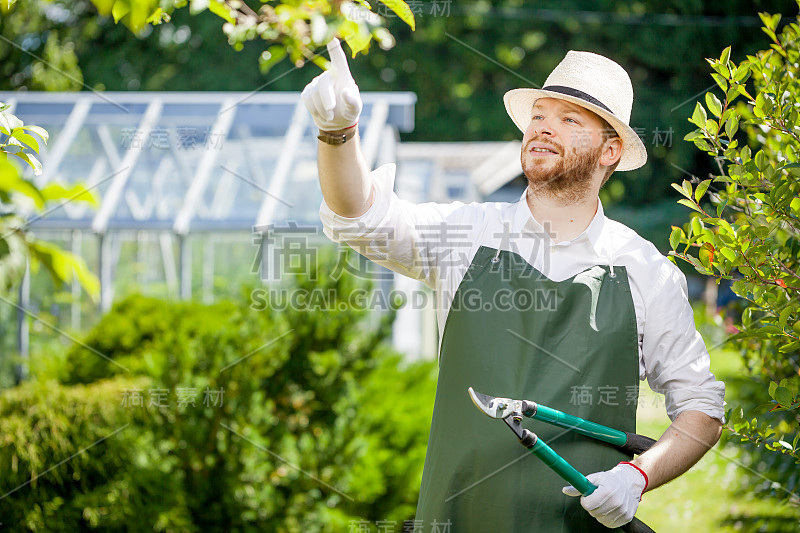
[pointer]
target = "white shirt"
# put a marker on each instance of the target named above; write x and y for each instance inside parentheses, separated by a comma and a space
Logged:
(435, 243)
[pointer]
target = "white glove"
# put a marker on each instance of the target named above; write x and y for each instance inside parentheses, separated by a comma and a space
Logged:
(619, 490)
(332, 98)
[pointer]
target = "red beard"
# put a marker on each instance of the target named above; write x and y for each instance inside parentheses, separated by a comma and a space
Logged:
(569, 178)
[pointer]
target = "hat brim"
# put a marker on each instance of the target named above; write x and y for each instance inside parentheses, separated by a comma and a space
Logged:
(519, 104)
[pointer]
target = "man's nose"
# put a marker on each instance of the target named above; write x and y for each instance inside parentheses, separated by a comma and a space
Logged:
(545, 126)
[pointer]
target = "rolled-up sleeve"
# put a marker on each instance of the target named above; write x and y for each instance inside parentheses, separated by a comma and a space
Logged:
(392, 233)
(676, 360)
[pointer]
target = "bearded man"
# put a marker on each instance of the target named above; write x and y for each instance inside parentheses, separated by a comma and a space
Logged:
(616, 312)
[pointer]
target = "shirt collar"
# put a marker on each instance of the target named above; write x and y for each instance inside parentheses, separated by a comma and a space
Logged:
(592, 233)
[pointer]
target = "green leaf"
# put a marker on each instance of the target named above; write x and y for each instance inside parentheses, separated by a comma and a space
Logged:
(759, 109)
(726, 225)
(783, 396)
(355, 38)
(728, 254)
(721, 81)
(675, 237)
(792, 385)
(687, 188)
(694, 134)
(699, 116)
(747, 317)
(735, 415)
(792, 346)
(76, 193)
(41, 132)
(697, 226)
(32, 161)
(745, 154)
(9, 122)
(770, 21)
(63, 265)
(221, 10)
(11, 182)
(5, 126)
(713, 103)
(761, 160)
(726, 54)
(120, 9)
(270, 58)
(28, 140)
(689, 204)
(698, 265)
(704, 146)
(784, 317)
(721, 207)
(742, 73)
(682, 190)
(157, 17)
(731, 126)
(701, 189)
(402, 10)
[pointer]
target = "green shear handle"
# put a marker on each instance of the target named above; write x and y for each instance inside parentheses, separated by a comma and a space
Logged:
(569, 474)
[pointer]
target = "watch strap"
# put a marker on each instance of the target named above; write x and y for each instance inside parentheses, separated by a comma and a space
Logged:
(338, 138)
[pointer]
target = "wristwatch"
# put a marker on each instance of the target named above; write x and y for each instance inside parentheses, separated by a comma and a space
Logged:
(336, 139)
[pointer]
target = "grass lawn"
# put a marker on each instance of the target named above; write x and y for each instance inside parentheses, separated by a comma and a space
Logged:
(705, 499)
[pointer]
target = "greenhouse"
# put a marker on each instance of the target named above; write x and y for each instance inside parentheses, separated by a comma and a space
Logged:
(189, 184)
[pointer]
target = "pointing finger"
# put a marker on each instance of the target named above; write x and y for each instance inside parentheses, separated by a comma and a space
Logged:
(327, 96)
(338, 58)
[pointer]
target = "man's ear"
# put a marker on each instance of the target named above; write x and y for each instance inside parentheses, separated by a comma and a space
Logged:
(612, 151)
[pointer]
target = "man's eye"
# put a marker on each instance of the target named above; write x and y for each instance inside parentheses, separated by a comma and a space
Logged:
(536, 117)
(572, 120)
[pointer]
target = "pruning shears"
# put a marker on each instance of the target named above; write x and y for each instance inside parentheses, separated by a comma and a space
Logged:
(512, 411)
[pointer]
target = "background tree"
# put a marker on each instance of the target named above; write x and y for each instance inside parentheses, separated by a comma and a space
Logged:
(294, 28)
(39, 41)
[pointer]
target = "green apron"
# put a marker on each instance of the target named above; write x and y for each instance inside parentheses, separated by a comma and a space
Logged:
(572, 347)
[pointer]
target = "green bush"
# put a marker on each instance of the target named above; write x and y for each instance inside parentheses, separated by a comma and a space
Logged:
(302, 421)
(745, 228)
(73, 460)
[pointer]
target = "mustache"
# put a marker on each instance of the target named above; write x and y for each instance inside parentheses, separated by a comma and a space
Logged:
(543, 140)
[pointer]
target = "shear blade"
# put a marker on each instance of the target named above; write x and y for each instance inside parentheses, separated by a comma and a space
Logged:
(494, 407)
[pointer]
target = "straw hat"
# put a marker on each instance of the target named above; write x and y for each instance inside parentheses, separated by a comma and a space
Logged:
(591, 81)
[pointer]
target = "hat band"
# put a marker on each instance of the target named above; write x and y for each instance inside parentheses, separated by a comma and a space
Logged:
(569, 91)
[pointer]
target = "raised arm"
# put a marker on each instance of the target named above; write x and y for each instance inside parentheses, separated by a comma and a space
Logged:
(334, 102)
